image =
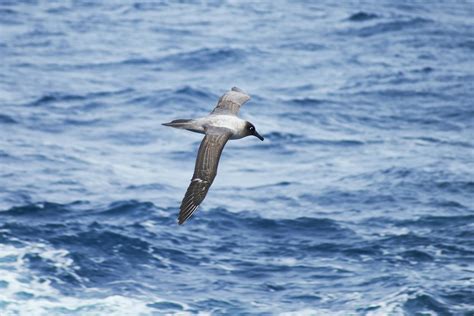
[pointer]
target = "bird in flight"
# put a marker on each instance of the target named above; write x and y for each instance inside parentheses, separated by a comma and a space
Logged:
(218, 127)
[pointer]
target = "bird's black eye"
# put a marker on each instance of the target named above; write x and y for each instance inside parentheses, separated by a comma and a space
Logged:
(251, 128)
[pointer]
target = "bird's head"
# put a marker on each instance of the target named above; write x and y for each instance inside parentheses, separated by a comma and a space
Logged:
(252, 131)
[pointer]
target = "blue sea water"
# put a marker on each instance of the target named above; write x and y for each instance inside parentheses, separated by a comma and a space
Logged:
(360, 201)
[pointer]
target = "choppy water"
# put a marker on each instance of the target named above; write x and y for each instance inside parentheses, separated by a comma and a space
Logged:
(360, 200)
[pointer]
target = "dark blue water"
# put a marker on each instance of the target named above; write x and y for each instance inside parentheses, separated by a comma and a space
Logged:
(360, 201)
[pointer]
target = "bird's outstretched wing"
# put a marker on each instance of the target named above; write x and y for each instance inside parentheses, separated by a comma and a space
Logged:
(205, 170)
(231, 102)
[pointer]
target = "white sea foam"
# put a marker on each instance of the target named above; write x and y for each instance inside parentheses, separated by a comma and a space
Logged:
(24, 293)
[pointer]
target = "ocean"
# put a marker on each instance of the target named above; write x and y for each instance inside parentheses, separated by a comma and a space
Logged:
(360, 201)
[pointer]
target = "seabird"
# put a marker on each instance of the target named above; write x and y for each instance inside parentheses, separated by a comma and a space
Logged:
(219, 126)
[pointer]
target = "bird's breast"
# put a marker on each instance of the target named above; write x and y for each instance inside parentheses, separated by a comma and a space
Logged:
(235, 124)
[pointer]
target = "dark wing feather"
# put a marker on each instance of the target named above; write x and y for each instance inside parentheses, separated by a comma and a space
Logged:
(205, 170)
(231, 102)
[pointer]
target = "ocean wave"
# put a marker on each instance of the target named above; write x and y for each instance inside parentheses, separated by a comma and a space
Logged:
(362, 16)
(10, 17)
(48, 216)
(183, 98)
(204, 58)
(388, 27)
(6, 119)
(299, 46)
(440, 221)
(55, 97)
(24, 292)
(311, 102)
(422, 302)
(285, 138)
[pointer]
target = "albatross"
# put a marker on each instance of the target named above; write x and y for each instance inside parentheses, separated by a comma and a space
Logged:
(218, 127)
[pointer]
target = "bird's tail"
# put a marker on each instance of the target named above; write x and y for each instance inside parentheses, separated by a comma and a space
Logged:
(181, 123)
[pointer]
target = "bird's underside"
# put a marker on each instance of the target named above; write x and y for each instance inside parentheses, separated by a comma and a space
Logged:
(221, 125)
(205, 170)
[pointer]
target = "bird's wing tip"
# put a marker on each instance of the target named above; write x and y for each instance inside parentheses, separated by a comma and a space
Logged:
(237, 89)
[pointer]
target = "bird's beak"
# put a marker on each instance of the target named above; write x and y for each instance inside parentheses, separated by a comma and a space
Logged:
(256, 134)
